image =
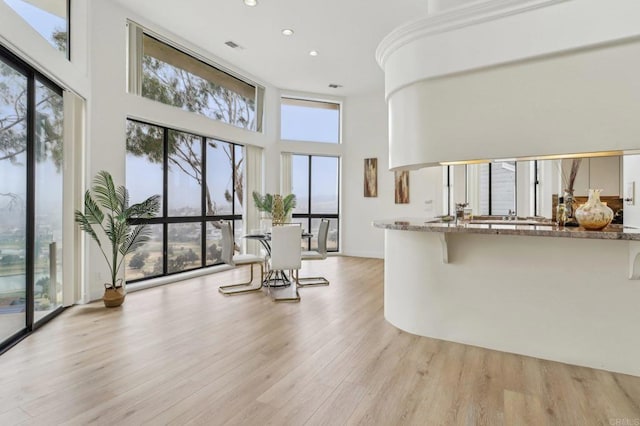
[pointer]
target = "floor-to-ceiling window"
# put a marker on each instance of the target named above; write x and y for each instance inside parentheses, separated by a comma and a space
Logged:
(200, 180)
(316, 183)
(31, 155)
(314, 179)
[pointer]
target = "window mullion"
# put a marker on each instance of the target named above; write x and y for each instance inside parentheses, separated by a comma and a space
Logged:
(309, 205)
(165, 204)
(203, 202)
(31, 194)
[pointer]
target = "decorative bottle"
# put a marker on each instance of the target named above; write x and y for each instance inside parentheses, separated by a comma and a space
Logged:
(594, 215)
(561, 212)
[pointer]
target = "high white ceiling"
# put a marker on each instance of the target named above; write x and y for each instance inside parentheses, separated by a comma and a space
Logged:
(344, 32)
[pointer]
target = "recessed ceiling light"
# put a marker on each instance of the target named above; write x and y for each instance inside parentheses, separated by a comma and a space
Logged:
(251, 3)
(287, 32)
(313, 53)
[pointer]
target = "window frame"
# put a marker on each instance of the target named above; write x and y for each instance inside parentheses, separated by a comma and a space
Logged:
(294, 98)
(67, 53)
(136, 34)
(165, 220)
(309, 216)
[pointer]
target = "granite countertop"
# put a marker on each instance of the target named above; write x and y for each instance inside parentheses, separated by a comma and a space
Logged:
(611, 232)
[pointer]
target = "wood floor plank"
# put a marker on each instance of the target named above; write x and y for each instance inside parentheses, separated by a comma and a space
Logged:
(186, 354)
(522, 409)
(13, 416)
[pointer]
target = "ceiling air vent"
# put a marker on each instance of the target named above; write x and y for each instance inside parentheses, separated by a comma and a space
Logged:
(233, 45)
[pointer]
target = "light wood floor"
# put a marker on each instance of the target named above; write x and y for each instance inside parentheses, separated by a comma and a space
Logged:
(185, 354)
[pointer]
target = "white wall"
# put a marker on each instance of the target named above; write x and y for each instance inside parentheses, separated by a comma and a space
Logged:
(366, 136)
(437, 6)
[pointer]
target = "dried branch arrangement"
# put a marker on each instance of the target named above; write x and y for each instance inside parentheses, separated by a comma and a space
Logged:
(569, 182)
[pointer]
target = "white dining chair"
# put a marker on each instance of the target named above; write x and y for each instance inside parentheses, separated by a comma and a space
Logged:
(238, 260)
(285, 257)
(320, 254)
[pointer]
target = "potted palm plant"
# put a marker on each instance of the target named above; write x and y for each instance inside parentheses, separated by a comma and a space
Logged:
(107, 212)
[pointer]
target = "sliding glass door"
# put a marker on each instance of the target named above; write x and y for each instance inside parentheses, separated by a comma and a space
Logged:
(13, 200)
(31, 117)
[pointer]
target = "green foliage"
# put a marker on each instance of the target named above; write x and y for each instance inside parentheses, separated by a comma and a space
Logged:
(289, 203)
(10, 259)
(60, 39)
(138, 260)
(214, 253)
(264, 203)
(182, 261)
(43, 285)
(106, 209)
(157, 268)
(13, 119)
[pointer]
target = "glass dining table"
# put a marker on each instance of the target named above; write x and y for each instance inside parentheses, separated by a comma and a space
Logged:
(265, 239)
(272, 277)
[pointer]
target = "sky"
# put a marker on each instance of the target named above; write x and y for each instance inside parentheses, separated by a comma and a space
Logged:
(310, 124)
(320, 126)
(43, 22)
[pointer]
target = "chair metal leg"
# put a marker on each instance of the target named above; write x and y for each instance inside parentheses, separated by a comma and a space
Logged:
(289, 289)
(241, 288)
(311, 281)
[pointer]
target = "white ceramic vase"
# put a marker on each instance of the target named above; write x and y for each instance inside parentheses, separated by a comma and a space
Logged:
(594, 215)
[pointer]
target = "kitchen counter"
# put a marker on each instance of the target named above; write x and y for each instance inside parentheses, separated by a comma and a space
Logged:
(611, 232)
(570, 297)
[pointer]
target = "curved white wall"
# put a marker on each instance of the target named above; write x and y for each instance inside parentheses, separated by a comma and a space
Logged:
(586, 101)
(491, 32)
(513, 78)
(563, 299)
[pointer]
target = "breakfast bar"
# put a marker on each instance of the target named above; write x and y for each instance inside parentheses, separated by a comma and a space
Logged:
(563, 294)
